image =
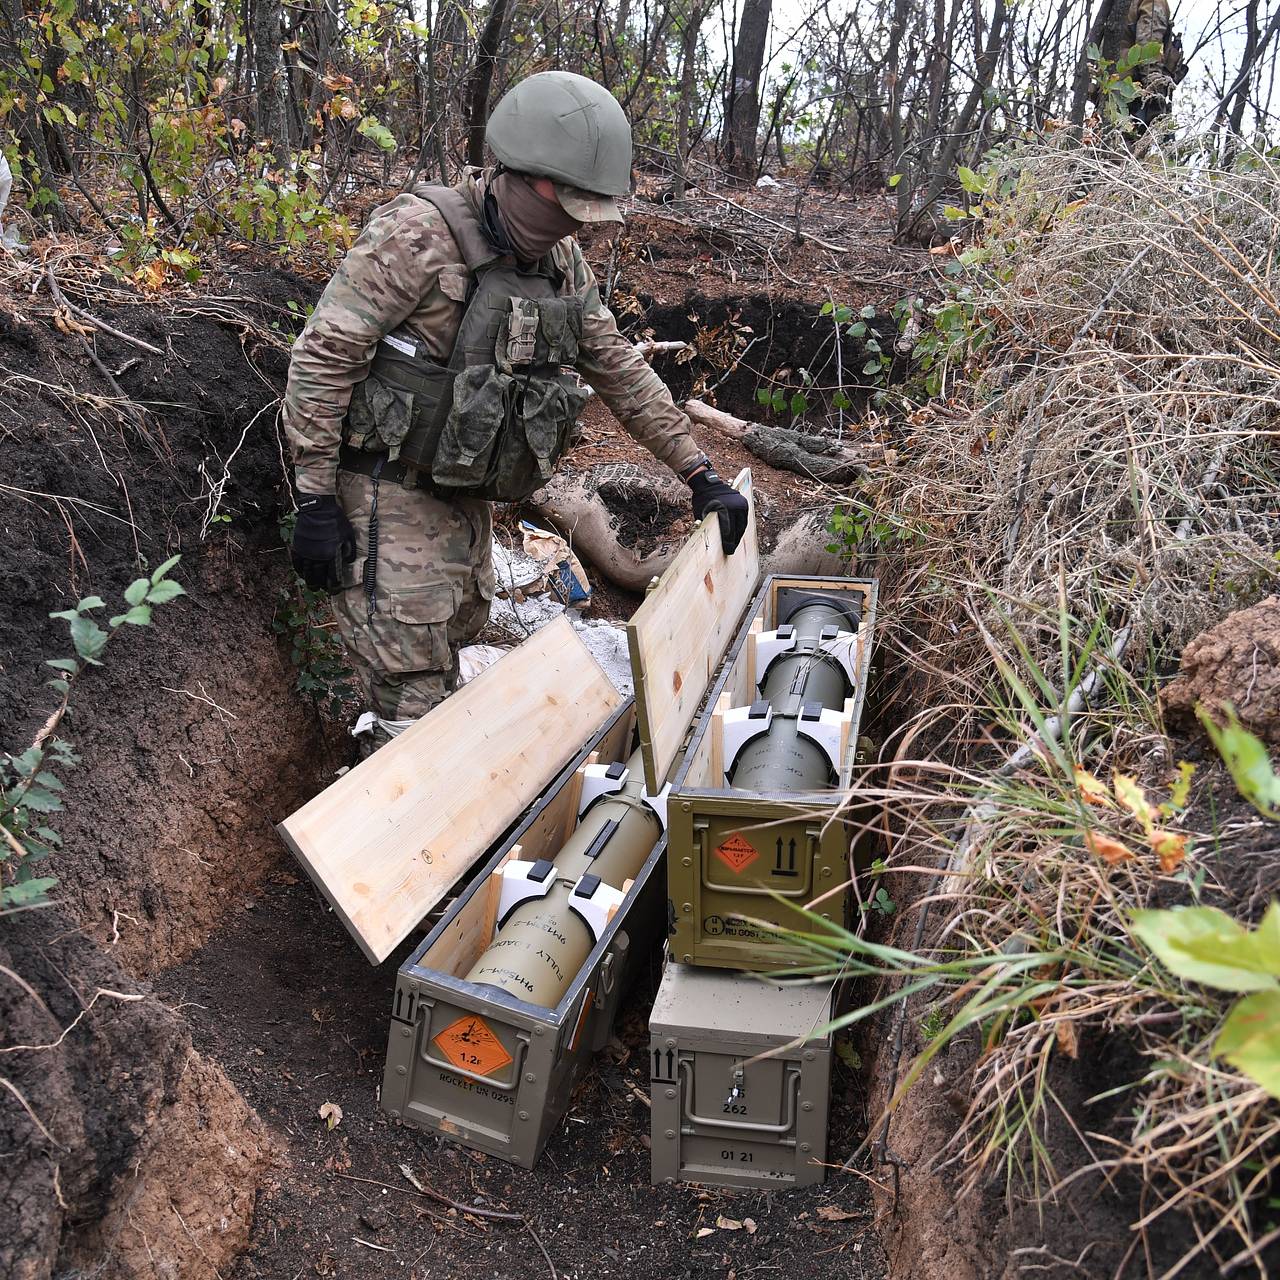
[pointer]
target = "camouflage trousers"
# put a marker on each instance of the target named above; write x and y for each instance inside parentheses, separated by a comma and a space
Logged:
(433, 588)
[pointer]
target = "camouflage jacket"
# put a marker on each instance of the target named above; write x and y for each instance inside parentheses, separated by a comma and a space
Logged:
(405, 270)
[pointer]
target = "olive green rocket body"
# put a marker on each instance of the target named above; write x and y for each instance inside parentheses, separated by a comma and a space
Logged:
(543, 939)
(767, 839)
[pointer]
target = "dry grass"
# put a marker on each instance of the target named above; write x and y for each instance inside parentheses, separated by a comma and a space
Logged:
(1100, 486)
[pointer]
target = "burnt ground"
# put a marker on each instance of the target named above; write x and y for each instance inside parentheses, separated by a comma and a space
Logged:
(285, 1002)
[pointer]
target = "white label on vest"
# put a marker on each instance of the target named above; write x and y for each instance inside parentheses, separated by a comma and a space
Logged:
(404, 346)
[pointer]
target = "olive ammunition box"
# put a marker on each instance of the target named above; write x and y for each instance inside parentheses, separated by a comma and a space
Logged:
(741, 858)
(724, 1114)
(476, 1064)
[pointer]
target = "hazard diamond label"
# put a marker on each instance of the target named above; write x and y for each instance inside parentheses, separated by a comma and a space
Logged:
(470, 1045)
(737, 853)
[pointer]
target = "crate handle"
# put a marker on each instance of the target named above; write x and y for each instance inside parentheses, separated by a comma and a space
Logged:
(522, 1045)
(742, 1126)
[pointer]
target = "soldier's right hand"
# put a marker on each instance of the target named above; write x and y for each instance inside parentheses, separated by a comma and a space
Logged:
(321, 534)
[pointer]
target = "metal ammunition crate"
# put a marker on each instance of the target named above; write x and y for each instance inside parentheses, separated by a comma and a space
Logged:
(479, 1065)
(724, 1114)
(738, 856)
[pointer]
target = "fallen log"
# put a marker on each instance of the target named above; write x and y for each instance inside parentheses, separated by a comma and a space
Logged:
(573, 505)
(806, 454)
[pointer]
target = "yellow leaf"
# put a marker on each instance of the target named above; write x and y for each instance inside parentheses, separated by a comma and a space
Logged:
(1132, 796)
(832, 1213)
(152, 275)
(1181, 789)
(1093, 791)
(331, 1114)
(1068, 1042)
(1170, 847)
(1109, 850)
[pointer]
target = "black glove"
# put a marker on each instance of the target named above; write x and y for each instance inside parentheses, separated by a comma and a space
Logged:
(321, 533)
(710, 493)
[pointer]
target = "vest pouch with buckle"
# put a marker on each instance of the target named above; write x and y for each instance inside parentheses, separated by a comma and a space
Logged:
(479, 418)
(395, 406)
(494, 422)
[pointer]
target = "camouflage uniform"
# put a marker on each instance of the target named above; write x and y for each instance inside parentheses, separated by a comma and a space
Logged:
(1150, 22)
(434, 566)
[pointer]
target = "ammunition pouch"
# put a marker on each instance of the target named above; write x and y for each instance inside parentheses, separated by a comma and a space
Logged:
(494, 422)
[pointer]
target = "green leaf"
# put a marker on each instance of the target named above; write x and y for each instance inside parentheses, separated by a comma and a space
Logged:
(27, 893)
(90, 602)
(40, 800)
(1246, 759)
(163, 592)
(798, 404)
(952, 213)
(63, 664)
(764, 396)
(894, 179)
(778, 400)
(163, 570)
(841, 401)
(970, 181)
(858, 329)
(88, 638)
(139, 615)
(1203, 944)
(826, 309)
(1250, 1039)
(872, 366)
(136, 591)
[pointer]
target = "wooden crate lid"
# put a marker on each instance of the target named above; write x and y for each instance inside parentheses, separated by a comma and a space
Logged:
(388, 840)
(681, 631)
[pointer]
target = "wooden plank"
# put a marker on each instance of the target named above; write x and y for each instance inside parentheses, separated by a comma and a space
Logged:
(681, 631)
(386, 841)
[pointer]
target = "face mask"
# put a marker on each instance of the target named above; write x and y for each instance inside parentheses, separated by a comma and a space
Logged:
(532, 224)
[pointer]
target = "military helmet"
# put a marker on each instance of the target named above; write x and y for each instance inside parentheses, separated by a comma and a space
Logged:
(567, 128)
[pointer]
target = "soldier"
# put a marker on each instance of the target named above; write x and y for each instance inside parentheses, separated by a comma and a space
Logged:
(1150, 22)
(429, 382)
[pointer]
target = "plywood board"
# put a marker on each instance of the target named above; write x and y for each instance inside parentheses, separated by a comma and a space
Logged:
(681, 631)
(387, 841)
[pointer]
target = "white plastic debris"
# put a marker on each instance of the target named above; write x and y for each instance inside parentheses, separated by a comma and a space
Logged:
(9, 238)
(476, 658)
(765, 181)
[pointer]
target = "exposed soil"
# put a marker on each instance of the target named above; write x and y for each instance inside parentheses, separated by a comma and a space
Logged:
(127, 1153)
(284, 1000)
(1236, 662)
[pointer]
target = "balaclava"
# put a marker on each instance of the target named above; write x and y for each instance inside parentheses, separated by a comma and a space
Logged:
(520, 221)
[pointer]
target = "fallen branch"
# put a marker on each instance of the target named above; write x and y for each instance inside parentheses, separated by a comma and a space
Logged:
(580, 514)
(651, 347)
(61, 299)
(128, 406)
(800, 451)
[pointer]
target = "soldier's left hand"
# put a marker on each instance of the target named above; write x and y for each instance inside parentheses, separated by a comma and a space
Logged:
(710, 493)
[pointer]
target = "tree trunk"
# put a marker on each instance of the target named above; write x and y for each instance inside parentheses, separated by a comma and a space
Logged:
(482, 81)
(742, 106)
(688, 81)
(269, 77)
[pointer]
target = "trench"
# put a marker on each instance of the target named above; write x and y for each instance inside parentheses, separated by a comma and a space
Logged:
(257, 1009)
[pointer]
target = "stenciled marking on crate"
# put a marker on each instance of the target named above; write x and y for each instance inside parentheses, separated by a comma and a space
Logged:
(473, 1086)
(715, 926)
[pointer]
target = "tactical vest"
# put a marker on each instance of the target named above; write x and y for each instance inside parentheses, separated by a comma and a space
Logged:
(495, 419)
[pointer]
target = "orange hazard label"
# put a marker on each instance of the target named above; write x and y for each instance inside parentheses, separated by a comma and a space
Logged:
(469, 1044)
(737, 853)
